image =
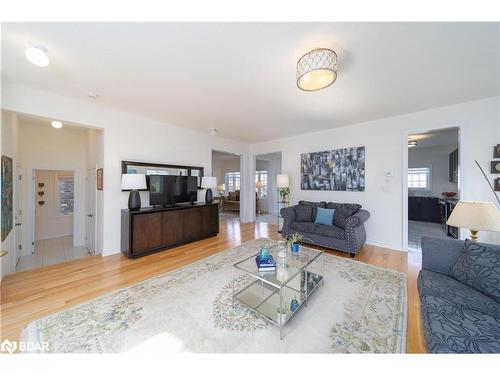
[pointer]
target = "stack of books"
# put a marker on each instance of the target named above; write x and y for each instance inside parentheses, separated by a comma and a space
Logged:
(268, 264)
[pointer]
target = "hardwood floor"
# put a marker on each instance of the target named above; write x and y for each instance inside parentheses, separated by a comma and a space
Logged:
(30, 295)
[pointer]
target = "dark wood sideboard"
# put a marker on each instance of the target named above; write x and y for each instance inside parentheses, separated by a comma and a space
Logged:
(149, 229)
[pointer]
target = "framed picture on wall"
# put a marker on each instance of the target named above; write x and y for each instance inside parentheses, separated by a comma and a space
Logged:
(495, 167)
(99, 179)
(496, 151)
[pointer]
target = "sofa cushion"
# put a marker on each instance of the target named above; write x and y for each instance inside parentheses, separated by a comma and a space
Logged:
(324, 216)
(342, 212)
(314, 206)
(329, 231)
(304, 213)
(446, 288)
(479, 268)
(303, 227)
(457, 318)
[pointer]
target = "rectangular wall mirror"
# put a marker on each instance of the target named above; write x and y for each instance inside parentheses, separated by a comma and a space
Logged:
(162, 169)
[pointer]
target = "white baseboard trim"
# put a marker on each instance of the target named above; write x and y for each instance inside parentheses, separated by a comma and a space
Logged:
(391, 246)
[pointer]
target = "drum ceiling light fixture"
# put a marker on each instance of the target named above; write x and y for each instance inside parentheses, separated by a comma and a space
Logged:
(317, 69)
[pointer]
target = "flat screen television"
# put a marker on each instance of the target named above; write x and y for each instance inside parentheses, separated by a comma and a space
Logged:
(167, 190)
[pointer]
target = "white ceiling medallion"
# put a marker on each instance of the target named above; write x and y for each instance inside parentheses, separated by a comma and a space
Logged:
(57, 124)
(317, 69)
(37, 55)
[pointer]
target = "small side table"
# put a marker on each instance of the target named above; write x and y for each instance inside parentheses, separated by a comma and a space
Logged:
(279, 217)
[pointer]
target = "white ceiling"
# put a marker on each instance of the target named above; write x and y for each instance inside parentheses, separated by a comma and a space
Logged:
(240, 78)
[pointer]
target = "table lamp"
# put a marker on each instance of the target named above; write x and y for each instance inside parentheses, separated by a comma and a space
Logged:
(475, 216)
(208, 183)
(221, 188)
(134, 182)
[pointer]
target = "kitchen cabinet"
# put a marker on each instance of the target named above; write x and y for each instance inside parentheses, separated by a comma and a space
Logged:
(424, 209)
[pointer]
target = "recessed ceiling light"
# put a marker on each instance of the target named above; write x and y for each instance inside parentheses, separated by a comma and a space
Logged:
(37, 55)
(57, 124)
(412, 144)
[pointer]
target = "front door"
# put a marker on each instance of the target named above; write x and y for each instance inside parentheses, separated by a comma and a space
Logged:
(91, 210)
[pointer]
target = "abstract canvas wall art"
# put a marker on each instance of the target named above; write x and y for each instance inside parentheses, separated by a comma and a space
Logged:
(338, 170)
(7, 196)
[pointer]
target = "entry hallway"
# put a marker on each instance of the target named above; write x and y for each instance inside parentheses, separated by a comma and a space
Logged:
(52, 251)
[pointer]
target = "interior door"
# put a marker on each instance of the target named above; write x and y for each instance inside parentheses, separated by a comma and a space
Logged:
(90, 236)
(18, 216)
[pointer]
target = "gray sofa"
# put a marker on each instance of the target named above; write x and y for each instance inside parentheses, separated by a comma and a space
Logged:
(346, 234)
(459, 288)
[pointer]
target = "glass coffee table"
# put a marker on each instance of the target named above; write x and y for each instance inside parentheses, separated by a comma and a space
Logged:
(270, 294)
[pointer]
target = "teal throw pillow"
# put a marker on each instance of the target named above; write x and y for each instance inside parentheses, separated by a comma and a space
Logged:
(324, 216)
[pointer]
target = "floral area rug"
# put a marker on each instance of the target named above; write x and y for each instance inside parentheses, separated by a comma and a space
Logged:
(359, 309)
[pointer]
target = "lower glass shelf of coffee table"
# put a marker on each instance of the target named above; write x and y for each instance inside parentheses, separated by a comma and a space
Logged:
(266, 300)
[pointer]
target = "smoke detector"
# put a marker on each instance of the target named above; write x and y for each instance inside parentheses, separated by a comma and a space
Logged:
(212, 131)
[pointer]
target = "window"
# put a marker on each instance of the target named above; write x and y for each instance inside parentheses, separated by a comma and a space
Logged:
(232, 180)
(261, 176)
(419, 178)
(66, 186)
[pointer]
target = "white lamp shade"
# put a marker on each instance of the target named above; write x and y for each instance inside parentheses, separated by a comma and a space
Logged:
(475, 216)
(133, 181)
(208, 182)
(282, 181)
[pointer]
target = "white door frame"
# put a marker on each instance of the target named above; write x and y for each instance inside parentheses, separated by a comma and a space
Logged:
(94, 173)
(406, 133)
(18, 217)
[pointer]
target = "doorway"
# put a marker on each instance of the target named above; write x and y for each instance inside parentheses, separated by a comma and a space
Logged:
(433, 184)
(53, 220)
(226, 168)
(267, 168)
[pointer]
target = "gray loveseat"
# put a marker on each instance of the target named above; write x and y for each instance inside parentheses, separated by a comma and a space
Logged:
(346, 234)
(459, 288)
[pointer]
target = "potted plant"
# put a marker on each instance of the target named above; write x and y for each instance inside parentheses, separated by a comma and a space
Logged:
(295, 239)
(284, 193)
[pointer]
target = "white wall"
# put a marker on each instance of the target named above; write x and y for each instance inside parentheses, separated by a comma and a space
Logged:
(49, 223)
(386, 145)
(9, 144)
(126, 137)
(437, 158)
(43, 147)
